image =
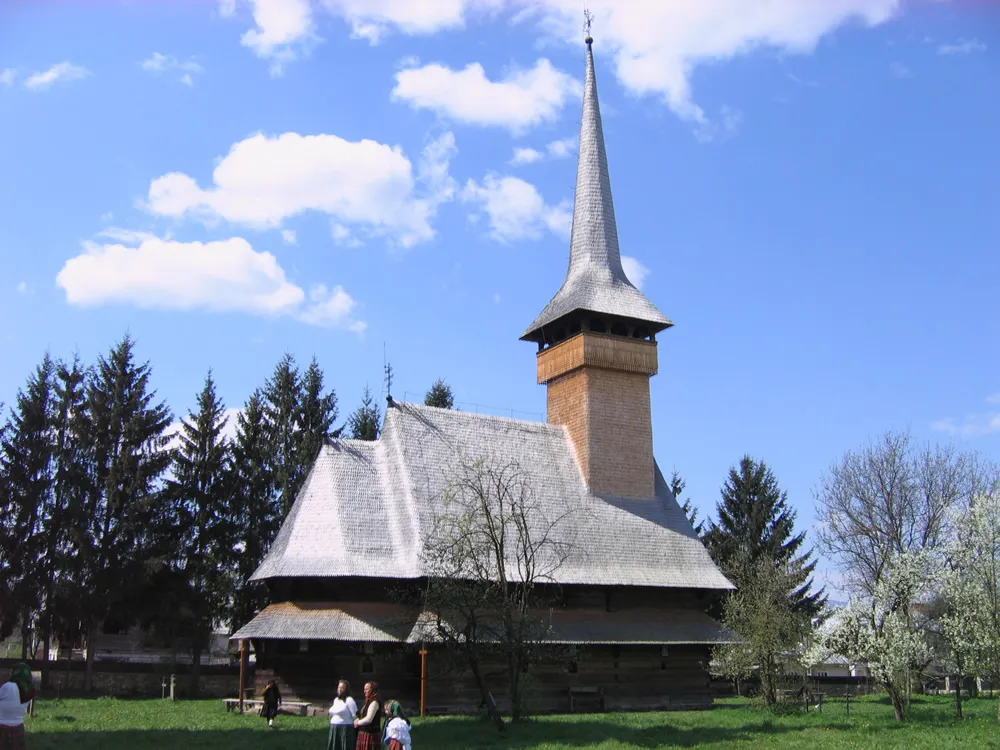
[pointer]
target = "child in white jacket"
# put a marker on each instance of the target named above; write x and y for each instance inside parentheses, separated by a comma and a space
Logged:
(396, 735)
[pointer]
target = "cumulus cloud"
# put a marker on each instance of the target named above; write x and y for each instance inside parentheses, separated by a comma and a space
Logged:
(962, 47)
(221, 276)
(64, 71)
(516, 210)
(520, 100)
(288, 235)
(635, 271)
(366, 186)
(554, 150)
(973, 425)
(7, 76)
(185, 69)
(283, 30)
(654, 45)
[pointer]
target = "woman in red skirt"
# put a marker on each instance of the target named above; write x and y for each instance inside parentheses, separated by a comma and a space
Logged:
(14, 698)
(369, 726)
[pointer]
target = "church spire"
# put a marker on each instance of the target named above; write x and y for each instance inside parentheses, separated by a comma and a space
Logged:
(596, 282)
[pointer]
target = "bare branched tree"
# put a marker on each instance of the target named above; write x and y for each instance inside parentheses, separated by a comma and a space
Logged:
(891, 498)
(493, 547)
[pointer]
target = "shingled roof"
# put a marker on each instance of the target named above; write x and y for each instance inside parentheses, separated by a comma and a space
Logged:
(380, 622)
(400, 479)
(596, 280)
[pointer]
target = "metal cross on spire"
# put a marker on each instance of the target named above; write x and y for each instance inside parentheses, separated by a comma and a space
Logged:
(588, 20)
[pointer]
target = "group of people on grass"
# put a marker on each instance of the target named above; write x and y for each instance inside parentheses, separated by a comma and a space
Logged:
(351, 729)
(15, 695)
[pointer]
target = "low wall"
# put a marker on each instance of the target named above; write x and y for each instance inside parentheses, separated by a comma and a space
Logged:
(123, 679)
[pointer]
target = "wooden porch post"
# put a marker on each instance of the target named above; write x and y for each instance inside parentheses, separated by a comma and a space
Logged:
(243, 669)
(423, 680)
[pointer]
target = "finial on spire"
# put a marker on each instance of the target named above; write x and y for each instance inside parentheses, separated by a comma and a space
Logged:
(588, 20)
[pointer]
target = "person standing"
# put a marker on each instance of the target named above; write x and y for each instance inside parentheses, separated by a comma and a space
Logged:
(343, 712)
(397, 728)
(369, 726)
(14, 698)
(272, 699)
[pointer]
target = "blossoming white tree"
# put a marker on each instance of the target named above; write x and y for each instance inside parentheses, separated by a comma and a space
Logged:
(885, 632)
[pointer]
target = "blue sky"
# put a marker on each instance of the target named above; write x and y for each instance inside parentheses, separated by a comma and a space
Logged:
(805, 189)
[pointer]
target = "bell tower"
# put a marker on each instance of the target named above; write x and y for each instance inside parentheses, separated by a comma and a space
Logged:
(597, 336)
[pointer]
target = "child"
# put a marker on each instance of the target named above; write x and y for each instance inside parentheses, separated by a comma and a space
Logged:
(397, 728)
(14, 698)
(272, 699)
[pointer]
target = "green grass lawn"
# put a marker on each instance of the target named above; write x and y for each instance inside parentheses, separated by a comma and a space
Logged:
(109, 724)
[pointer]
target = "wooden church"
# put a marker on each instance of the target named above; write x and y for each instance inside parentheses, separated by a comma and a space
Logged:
(631, 596)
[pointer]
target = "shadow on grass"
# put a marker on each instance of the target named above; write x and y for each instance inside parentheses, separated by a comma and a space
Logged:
(441, 735)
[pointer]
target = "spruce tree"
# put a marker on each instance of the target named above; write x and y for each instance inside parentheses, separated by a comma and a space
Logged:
(440, 395)
(8, 608)
(126, 428)
(71, 487)
(26, 457)
(200, 492)
(755, 524)
(365, 422)
(317, 413)
(282, 399)
(677, 485)
(255, 509)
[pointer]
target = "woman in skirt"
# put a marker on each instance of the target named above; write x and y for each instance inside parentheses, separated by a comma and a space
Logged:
(369, 726)
(272, 699)
(397, 728)
(343, 712)
(14, 698)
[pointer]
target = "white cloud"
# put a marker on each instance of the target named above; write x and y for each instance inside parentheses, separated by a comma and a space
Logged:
(563, 147)
(7, 76)
(284, 30)
(898, 70)
(288, 235)
(656, 45)
(526, 156)
(223, 276)
(364, 185)
(974, 425)
(159, 63)
(64, 71)
(555, 150)
(373, 19)
(331, 307)
(128, 236)
(227, 8)
(635, 271)
(522, 99)
(22, 287)
(962, 47)
(516, 210)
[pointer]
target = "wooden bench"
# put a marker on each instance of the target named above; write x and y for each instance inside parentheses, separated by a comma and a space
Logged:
(587, 691)
(250, 704)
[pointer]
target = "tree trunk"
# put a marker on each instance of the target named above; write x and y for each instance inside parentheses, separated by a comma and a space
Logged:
(958, 698)
(491, 707)
(88, 674)
(897, 701)
(514, 677)
(46, 643)
(195, 670)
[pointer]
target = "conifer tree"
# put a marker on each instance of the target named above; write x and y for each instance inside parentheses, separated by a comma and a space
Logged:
(71, 487)
(677, 485)
(255, 510)
(440, 395)
(365, 423)
(8, 610)
(282, 399)
(317, 413)
(755, 524)
(126, 428)
(26, 457)
(205, 533)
